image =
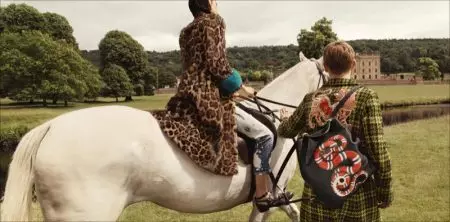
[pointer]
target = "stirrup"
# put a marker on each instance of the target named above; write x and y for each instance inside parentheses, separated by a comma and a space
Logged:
(267, 201)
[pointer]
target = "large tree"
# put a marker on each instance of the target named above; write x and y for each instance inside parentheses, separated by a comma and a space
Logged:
(59, 28)
(117, 83)
(20, 17)
(428, 69)
(118, 47)
(23, 17)
(311, 43)
(34, 66)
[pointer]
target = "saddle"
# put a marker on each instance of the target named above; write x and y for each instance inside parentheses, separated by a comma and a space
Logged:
(246, 145)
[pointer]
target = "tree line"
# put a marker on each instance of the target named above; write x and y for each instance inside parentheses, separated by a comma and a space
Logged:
(397, 55)
(40, 59)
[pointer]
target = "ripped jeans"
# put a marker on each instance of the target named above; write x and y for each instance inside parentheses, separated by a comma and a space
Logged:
(251, 127)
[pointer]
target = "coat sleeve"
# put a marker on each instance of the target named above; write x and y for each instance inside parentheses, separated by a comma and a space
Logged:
(215, 56)
(295, 124)
(372, 125)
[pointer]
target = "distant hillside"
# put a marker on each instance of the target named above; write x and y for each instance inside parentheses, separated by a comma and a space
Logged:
(396, 56)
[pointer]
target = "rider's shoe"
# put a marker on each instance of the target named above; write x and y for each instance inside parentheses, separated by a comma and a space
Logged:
(265, 202)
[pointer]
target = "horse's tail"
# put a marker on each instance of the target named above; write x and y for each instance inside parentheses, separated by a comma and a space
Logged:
(18, 190)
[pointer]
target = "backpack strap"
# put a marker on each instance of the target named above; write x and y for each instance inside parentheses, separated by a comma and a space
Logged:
(343, 100)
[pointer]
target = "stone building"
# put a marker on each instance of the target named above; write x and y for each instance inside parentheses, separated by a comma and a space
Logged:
(367, 67)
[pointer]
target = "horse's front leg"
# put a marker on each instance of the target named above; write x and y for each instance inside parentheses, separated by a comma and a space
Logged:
(292, 211)
(257, 216)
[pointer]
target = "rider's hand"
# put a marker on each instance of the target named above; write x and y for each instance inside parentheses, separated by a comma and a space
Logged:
(236, 97)
(284, 114)
(383, 205)
(247, 91)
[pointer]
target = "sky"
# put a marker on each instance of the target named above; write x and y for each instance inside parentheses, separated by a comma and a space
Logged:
(157, 24)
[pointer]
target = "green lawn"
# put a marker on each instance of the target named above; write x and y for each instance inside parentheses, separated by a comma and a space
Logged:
(420, 167)
(400, 93)
(12, 115)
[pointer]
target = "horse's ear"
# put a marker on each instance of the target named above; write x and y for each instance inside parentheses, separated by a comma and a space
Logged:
(320, 60)
(302, 56)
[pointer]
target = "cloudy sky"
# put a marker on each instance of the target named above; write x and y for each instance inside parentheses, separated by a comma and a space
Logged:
(156, 24)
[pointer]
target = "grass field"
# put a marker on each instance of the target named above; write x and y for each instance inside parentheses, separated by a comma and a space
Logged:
(12, 115)
(419, 150)
(420, 167)
(401, 93)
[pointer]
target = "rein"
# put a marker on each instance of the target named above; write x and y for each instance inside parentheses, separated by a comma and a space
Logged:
(274, 102)
(256, 99)
(276, 179)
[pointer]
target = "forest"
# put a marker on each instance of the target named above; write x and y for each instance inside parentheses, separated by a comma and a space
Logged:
(397, 55)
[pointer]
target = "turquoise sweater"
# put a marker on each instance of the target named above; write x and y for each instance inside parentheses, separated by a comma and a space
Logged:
(231, 84)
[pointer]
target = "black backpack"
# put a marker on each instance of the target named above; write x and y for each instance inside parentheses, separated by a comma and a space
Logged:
(331, 163)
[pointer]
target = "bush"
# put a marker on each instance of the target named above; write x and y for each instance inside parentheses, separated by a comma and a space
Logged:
(10, 137)
(389, 104)
(401, 115)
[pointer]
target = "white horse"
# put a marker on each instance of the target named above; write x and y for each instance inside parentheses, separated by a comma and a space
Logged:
(89, 164)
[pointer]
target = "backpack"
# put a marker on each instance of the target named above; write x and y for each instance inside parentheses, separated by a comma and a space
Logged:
(331, 163)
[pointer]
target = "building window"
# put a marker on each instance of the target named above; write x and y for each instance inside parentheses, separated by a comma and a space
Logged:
(369, 63)
(370, 77)
(369, 71)
(363, 63)
(376, 77)
(364, 77)
(363, 71)
(376, 70)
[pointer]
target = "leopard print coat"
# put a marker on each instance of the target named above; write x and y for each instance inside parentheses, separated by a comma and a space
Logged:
(197, 119)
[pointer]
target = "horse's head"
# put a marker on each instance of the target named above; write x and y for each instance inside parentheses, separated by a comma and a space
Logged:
(291, 86)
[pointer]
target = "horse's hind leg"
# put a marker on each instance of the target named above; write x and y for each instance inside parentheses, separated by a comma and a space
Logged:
(81, 203)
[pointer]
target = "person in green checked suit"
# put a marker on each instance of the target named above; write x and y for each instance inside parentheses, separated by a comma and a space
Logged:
(362, 116)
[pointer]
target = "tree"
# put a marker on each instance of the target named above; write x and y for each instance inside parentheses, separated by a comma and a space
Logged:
(117, 83)
(59, 28)
(16, 73)
(149, 80)
(255, 76)
(428, 68)
(35, 66)
(266, 76)
(118, 47)
(167, 79)
(312, 43)
(22, 17)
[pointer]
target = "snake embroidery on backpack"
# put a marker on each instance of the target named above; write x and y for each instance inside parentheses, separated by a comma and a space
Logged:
(330, 155)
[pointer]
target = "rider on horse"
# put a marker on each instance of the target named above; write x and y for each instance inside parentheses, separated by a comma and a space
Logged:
(202, 118)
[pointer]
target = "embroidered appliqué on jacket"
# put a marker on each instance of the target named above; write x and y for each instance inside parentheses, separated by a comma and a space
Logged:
(322, 107)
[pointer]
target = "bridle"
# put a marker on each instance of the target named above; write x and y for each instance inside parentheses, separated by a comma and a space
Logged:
(256, 99)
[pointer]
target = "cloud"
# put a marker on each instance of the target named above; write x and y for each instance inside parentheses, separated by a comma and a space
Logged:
(156, 24)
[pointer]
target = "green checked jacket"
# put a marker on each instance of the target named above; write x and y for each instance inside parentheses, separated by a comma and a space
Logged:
(362, 115)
